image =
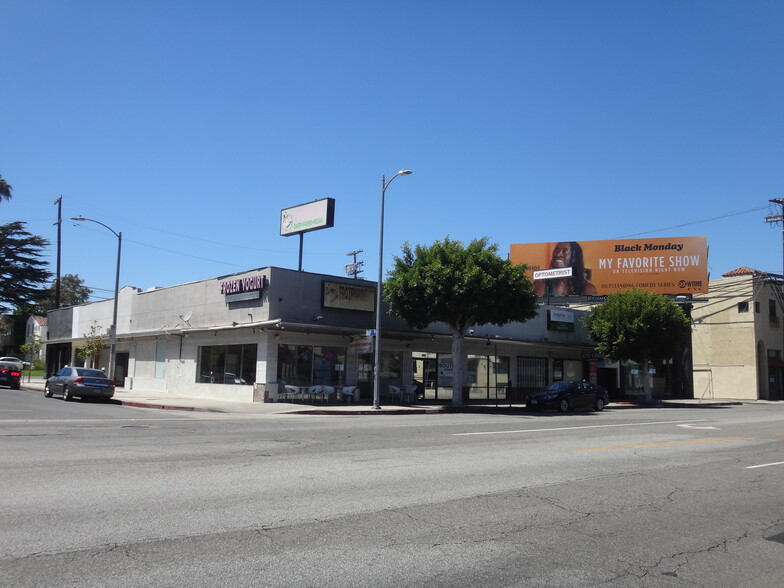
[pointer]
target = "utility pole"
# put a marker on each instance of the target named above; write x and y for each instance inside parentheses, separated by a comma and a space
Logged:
(59, 223)
(354, 269)
(778, 218)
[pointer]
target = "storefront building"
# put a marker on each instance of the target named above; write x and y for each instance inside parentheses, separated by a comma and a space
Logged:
(243, 336)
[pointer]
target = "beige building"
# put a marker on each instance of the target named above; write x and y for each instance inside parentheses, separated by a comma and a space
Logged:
(738, 337)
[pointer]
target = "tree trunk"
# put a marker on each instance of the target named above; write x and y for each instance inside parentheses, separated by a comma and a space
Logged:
(646, 381)
(458, 369)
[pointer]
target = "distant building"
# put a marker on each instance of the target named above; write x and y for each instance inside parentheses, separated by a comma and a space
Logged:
(738, 337)
(36, 330)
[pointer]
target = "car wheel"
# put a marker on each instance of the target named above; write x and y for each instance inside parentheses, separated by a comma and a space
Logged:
(47, 391)
(599, 405)
(67, 394)
(563, 406)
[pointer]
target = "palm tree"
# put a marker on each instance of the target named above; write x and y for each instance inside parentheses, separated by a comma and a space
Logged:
(5, 189)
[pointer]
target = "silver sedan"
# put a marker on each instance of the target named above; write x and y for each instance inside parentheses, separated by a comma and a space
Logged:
(79, 382)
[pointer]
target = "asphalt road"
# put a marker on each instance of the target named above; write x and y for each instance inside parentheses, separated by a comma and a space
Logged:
(98, 494)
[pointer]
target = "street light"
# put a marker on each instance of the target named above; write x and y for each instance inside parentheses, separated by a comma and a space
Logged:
(377, 367)
(113, 328)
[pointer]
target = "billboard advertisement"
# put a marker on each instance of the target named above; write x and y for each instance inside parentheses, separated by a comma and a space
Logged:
(677, 265)
(319, 214)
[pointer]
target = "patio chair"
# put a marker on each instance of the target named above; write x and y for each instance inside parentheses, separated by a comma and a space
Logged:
(393, 392)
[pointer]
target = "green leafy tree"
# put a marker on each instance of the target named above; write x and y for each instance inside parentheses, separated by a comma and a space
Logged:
(460, 286)
(638, 326)
(90, 350)
(5, 189)
(31, 349)
(72, 293)
(23, 272)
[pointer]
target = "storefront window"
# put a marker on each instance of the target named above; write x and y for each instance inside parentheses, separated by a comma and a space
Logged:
(227, 364)
(306, 365)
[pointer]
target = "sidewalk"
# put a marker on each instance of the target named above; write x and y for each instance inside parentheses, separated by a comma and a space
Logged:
(165, 401)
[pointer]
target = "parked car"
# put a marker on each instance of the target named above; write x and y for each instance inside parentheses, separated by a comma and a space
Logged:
(10, 375)
(79, 382)
(566, 396)
(21, 365)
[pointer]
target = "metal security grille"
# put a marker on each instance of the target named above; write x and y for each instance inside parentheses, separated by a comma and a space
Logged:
(531, 373)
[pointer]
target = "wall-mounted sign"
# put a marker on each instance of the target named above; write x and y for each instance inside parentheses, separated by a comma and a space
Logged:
(348, 296)
(311, 216)
(677, 265)
(361, 345)
(248, 288)
(560, 320)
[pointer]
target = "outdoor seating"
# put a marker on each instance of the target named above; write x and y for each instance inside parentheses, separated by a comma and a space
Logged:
(287, 391)
(348, 393)
(410, 394)
(394, 391)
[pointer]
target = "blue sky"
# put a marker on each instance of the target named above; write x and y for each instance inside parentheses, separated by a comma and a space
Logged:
(188, 126)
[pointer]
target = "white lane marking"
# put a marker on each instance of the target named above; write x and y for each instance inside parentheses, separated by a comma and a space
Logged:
(764, 465)
(576, 428)
(695, 427)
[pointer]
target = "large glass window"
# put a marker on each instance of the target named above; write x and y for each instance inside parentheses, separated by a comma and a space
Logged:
(227, 364)
(488, 377)
(305, 365)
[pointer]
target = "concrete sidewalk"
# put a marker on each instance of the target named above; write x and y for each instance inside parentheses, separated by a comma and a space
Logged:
(166, 401)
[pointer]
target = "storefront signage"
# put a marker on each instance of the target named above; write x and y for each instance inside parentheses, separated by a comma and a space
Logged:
(361, 345)
(677, 265)
(348, 296)
(247, 288)
(560, 320)
(319, 214)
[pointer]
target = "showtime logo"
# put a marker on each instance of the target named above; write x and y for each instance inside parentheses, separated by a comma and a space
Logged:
(690, 284)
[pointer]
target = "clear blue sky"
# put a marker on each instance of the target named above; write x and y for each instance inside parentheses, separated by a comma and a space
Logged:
(188, 126)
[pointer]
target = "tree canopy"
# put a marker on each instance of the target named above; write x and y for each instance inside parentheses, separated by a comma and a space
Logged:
(5, 189)
(72, 292)
(639, 326)
(461, 286)
(23, 273)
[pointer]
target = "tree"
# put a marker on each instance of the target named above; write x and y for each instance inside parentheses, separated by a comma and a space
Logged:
(31, 348)
(5, 189)
(91, 350)
(639, 326)
(72, 293)
(22, 271)
(460, 286)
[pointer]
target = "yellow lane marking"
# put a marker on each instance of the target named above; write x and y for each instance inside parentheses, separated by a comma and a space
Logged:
(664, 444)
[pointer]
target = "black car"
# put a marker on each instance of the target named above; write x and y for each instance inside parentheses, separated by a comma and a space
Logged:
(10, 376)
(566, 396)
(79, 381)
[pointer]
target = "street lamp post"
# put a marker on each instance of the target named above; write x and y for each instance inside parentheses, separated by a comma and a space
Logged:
(377, 366)
(113, 328)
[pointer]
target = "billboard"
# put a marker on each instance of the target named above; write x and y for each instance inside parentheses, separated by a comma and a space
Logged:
(319, 214)
(677, 265)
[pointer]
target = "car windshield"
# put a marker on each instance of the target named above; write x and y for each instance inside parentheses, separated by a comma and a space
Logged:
(559, 386)
(90, 373)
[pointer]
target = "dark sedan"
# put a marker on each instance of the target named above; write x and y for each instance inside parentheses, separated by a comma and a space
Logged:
(10, 376)
(566, 396)
(79, 382)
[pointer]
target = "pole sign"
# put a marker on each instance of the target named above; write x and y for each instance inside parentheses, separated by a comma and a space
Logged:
(311, 216)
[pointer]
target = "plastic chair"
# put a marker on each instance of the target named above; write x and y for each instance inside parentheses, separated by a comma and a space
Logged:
(327, 391)
(348, 393)
(410, 393)
(394, 391)
(289, 391)
(315, 391)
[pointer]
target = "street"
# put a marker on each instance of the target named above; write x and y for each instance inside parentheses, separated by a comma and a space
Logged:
(99, 494)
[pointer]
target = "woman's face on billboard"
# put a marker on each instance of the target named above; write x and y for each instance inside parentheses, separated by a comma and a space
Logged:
(562, 255)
